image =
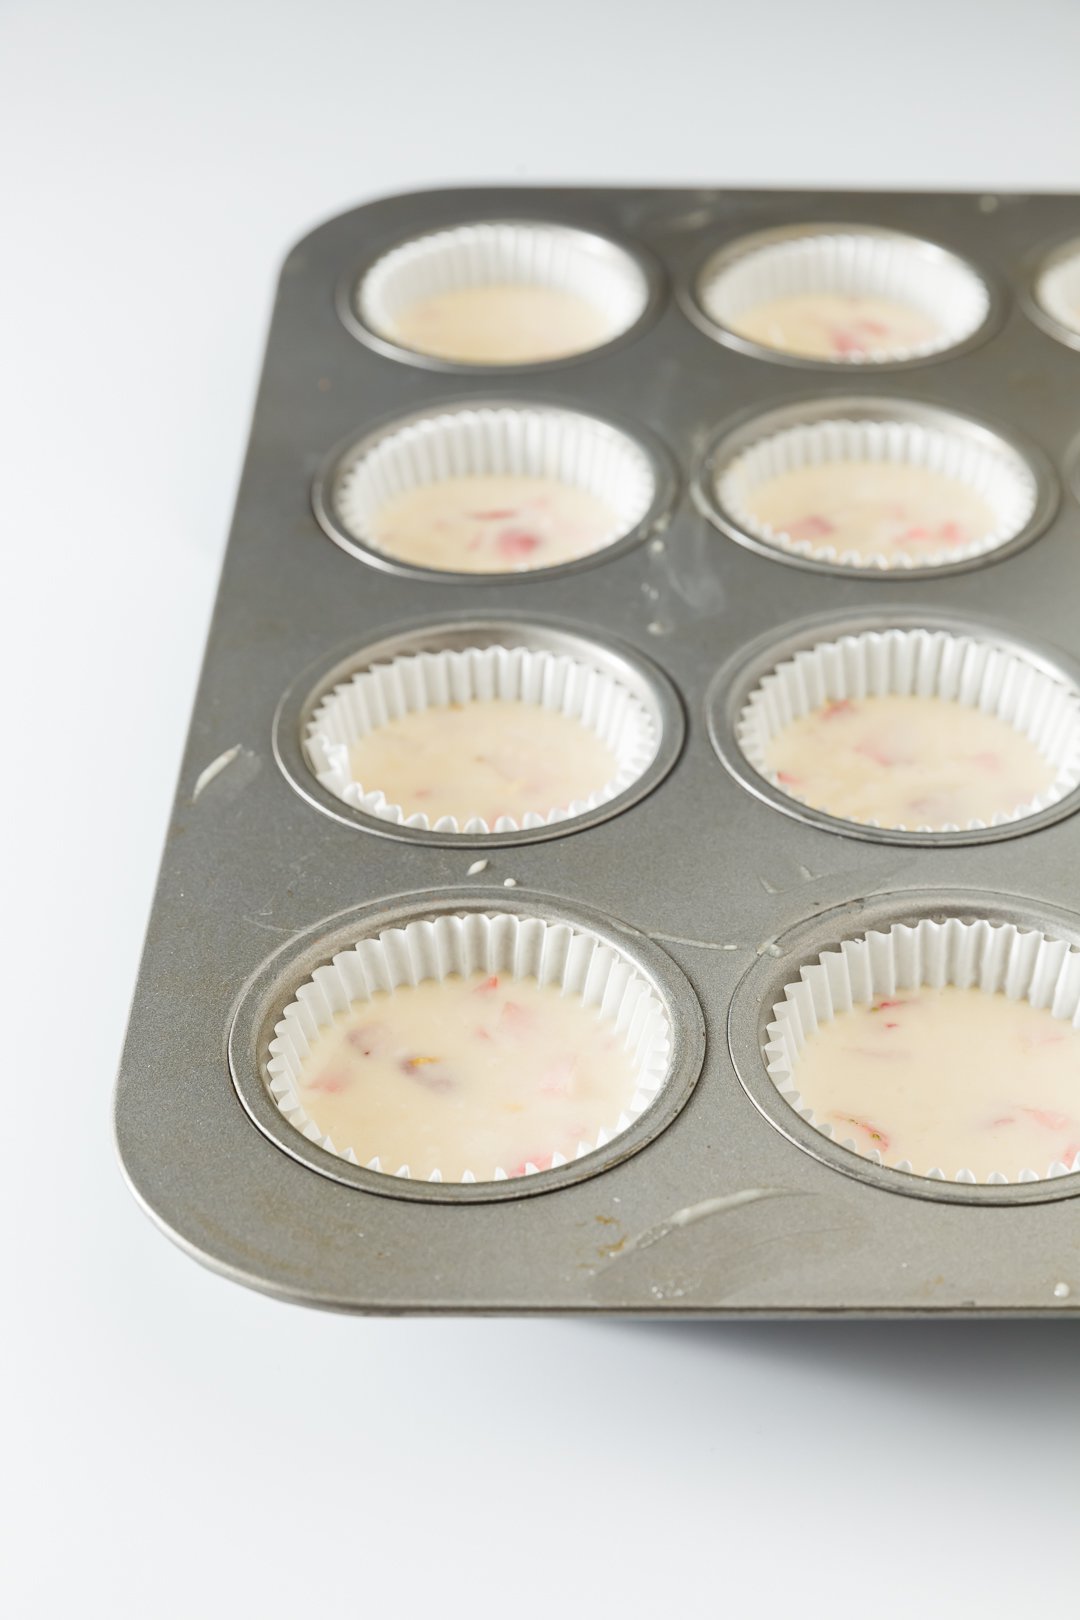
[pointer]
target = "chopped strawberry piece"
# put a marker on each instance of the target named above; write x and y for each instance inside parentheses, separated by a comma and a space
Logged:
(517, 543)
(814, 527)
(988, 760)
(878, 1137)
(875, 752)
(787, 778)
(541, 1161)
(486, 986)
(515, 1018)
(329, 1082)
(833, 711)
(426, 1072)
(367, 1039)
(845, 341)
(1045, 1037)
(497, 514)
(559, 1079)
(1047, 1117)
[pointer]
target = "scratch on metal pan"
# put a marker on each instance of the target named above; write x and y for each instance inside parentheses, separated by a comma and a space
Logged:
(768, 947)
(267, 928)
(215, 768)
(701, 1212)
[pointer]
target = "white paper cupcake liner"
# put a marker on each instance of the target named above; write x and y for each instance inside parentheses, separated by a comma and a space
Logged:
(922, 663)
(431, 680)
(514, 946)
(853, 264)
(510, 441)
(1057, 289)
(996, 473)
(1023, 964)
(498, 254)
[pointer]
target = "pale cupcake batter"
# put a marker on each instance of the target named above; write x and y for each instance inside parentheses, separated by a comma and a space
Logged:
(872, 509)
(489, 758)
(907, 762)
(477, 1074)
(949, 1080)
(493, 525)
(515, 324)
(834, 326)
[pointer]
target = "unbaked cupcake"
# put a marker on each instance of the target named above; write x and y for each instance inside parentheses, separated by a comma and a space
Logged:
(480, 740)
(1057, 288)
(493, 491)
(879, 490)
(846, 296)
(948, 1050)
(472, 1048)
(503, 294)
(915, 729)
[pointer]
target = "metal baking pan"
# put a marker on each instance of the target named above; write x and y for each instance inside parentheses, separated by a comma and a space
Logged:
(720, 1203)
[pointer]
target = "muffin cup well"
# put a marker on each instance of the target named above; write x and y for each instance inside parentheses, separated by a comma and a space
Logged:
(514, 947)
(629, 474)
(908, 651)
(923, 663)
(1056, 293)
(432, 680)
(976, 953)
(1028, 947)
(847, 261)
(395, 941)
(1015, 482)
(623, 696)
(614, 282)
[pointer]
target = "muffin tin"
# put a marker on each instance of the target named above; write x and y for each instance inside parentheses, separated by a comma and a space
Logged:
(706, 882)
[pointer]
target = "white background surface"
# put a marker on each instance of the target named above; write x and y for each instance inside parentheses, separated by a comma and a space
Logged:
(178, 1447)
